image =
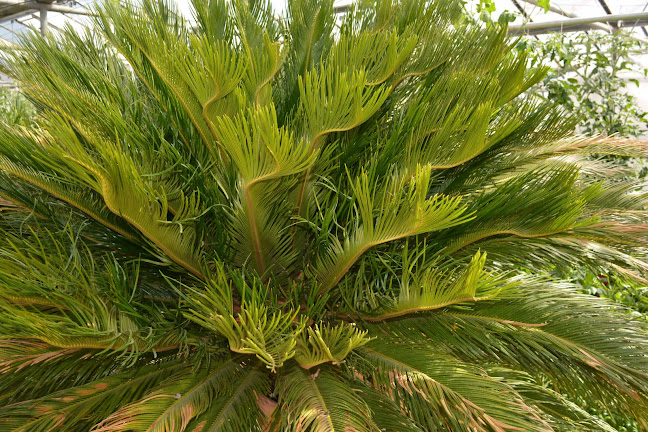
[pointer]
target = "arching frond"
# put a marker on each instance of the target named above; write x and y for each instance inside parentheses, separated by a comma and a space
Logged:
(127, 193)
(399, 210)
(85, 404)
(386, 413)
(437, 391)
(430, 289)
(543, 337)
(327, 344)
(69, 301)
(149, 45)
(320, 401)
(188, 395)
(514, 202)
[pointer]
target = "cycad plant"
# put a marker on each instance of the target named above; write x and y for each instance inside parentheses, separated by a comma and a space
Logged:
(238, 222)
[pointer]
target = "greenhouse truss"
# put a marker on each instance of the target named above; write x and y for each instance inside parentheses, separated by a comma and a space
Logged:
(19, 16)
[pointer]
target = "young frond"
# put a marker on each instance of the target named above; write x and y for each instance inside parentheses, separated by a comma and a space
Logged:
(255, 329)
(396, 211)
(430, 289)
(190, 396)
(324, 344)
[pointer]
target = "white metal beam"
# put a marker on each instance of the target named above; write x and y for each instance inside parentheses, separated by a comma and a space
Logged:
(43, 21)
(575, 24)
(44, 6)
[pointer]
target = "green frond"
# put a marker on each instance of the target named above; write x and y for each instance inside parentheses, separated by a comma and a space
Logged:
(128, 194)
(214, 19)
(150, 44)
(68, 300)
(260, 149)
(387, 415)
(240, 409)
(185, 396)
(532, 328)
(384, 52)
(216, 75)
(431, 288)
(267, 63)
(320, 401)
(14, 143)
(335, 101)
(449, 131)
(86, 404)
(399, 210)
(440, 391)
(307, 30)
(521, 208)
(263, 153)
(325, 343)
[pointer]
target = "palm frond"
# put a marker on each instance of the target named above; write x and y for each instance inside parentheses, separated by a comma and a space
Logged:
(399, 210)
(320, 401)
(187, 395)
(438, 391)
(327, 344)
(87, 403)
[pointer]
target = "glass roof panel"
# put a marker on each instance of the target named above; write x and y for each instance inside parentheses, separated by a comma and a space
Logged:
(14, 20)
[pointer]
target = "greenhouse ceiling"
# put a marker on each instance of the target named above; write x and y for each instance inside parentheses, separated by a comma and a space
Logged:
(18, 16)
(25, 13)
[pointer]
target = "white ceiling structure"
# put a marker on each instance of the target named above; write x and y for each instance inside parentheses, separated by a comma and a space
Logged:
(19, 16)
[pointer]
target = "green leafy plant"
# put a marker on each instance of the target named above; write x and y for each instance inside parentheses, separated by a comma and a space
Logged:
(14, 108)
(239, 223)
(590, 74)
(589, 78)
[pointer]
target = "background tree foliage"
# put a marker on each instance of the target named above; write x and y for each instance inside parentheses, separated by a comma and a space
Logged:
(15, 109)
(242, 223)
(590, 74)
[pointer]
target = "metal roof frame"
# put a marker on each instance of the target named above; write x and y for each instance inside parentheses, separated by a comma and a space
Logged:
(580, 24)
(47, 6)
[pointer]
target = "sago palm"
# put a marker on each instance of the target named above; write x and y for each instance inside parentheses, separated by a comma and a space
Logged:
(240, 222)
